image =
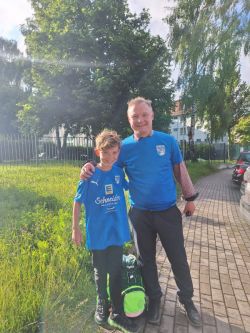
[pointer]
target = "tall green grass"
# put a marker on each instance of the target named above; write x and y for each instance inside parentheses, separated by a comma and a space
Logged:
(46, 283)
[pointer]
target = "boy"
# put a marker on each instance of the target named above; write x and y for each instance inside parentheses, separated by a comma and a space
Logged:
(106, 228)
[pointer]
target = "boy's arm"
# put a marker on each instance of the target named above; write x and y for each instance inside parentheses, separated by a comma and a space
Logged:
(76, 231)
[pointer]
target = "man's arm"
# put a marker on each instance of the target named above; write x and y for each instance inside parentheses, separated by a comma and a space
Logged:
(188, 191)
(76, 231)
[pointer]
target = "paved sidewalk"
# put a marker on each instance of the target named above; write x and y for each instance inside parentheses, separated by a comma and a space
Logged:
(218, 250)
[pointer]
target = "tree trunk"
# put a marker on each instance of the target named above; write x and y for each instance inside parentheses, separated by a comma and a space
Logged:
(58, 143)
(65, 136)
(64, 145)
(229, 143)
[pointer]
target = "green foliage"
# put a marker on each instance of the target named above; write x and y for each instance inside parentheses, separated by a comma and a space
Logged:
(11, 90)
(90, 57)
(204, 151)
(207, 38)
(201, 169)
(241, 131)
(46, 282)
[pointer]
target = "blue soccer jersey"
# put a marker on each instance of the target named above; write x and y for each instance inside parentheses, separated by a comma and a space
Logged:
(105, 208)
(148, 164)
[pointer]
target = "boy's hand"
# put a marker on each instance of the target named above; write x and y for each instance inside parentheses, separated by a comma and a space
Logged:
(87, 171)
(77, 236)
(189, 208)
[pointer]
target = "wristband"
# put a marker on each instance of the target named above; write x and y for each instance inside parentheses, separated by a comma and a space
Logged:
(192, 198)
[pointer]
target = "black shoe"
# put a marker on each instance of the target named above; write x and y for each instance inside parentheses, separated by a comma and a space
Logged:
(153, 313)
(192, 314)
(122, 323)
(101, 312)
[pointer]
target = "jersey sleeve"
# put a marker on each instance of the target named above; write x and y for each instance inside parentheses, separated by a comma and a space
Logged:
(176, 156)
(81, 192)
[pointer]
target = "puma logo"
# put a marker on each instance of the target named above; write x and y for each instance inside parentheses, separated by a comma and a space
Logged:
(93, 182)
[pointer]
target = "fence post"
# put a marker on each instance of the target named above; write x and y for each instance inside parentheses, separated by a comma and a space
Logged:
(36, 152)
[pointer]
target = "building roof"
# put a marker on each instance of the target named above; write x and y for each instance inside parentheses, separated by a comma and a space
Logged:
(178, 110)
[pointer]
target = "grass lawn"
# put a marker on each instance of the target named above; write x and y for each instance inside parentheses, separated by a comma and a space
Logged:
(201, 169)
(46, 283)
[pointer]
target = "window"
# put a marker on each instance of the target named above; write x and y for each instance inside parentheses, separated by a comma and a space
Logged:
(183, 131)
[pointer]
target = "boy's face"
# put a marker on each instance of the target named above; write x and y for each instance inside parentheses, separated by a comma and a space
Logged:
(108, 156)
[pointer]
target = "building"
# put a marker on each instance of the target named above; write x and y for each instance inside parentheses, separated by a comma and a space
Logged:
(180, 126)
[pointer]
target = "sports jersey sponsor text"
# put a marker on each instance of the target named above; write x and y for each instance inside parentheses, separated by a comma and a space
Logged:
(104, 200)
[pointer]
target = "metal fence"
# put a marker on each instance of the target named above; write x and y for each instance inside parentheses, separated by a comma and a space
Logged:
(31, 149)
(212, 151)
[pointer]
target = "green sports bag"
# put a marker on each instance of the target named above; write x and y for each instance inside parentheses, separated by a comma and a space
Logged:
(133, 292)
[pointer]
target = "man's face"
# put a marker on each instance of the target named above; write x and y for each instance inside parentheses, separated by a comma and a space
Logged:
(140, 117)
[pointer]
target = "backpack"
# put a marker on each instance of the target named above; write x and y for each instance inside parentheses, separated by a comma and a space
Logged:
(133, 292)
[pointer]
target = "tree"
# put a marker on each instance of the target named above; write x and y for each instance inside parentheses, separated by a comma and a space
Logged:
(241, 131)
(11, 90)
(207, 37)
(90, 57)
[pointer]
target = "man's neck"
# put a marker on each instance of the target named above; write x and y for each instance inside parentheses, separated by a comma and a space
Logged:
(137, 136)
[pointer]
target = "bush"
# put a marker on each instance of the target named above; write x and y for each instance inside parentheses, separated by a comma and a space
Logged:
(205, 151)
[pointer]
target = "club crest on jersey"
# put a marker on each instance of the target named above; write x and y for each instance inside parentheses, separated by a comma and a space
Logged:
(160, 150)
(117, 179)
(108, 189)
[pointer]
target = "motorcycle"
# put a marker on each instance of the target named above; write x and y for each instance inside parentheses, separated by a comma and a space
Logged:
(238, 173)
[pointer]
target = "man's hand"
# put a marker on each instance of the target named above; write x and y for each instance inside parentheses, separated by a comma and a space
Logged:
(76, 236)
(87, 171)
(189, 208)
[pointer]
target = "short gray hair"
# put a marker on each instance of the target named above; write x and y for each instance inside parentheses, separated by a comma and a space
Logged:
(138, 100)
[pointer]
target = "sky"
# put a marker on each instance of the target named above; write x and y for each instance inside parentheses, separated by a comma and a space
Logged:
(14, 12)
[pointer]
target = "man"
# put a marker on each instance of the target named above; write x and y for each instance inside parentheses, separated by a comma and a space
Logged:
(151, 161)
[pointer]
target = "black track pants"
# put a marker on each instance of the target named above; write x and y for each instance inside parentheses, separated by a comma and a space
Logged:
(168, 225)
(104, 262)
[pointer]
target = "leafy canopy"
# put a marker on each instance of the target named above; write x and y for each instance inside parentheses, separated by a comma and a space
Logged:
(12, 90)
(89, 58)
(207, 37)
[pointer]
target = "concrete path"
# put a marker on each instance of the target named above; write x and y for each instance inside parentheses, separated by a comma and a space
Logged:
(218, 250)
